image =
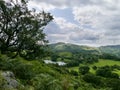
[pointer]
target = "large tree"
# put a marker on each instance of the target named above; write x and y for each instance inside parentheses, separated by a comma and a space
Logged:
(21, 29)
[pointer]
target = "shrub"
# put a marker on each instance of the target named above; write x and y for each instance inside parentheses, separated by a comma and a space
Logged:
(91, 78)
(73, 72)
(46, 82)
(23, 71)
(84, 69)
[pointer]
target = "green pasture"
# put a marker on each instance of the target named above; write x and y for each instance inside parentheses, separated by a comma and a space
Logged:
(100, 63)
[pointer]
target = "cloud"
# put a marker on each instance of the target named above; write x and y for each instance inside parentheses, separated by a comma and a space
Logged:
(64, 24)
(69, 32)
(60, 26)
(40, 5)
(84, 35)
(102, 17)
(98, 21)
(59, 30)
(87, 15)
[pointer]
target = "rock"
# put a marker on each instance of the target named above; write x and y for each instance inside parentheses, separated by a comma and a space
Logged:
(8, 74)
(10, 79)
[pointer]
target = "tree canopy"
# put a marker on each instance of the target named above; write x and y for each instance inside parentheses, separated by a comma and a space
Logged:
(21, 29)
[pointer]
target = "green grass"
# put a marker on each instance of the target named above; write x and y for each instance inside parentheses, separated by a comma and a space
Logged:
(117, 71)
(102, 62)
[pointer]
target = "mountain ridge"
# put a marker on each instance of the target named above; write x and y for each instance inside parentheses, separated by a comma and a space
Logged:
(69, 47)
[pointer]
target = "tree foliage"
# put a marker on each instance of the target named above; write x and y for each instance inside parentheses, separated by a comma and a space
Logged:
(21, 29)
(91, 78)
(106, 72)
(84, 69)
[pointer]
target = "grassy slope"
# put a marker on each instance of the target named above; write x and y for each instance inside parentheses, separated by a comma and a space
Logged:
(51, 74)
(67, 47)
(102, 62)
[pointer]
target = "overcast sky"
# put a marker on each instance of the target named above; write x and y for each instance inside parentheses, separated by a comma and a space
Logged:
(84, 22)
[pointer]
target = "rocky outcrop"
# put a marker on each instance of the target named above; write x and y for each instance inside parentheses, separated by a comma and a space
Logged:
(9, 80)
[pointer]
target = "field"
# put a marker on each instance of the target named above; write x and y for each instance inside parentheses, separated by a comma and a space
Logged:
(102, 62)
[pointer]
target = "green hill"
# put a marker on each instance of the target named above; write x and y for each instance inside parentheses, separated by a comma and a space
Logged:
(68, 47)
(111, 49)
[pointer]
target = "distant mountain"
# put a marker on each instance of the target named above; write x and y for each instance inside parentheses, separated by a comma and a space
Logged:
(111, 49)
(68, 47)
(111, 46)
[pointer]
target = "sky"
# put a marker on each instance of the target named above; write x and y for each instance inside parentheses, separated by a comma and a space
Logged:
(83, 22)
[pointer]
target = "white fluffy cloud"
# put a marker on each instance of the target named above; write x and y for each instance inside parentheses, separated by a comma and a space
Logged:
(64, 24)
(98, 21)
(40, 5)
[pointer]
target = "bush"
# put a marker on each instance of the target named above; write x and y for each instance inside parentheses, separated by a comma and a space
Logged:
(73, 72)
(46, 82)
(23, 71)
(84, 69)
(106, 72)
(91, 78)
(114, 84)
(94, 67)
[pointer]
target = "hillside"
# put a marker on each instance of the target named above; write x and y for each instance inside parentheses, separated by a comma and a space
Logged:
(20, 74)
(36, 75)
(68, 47)
(111, 49)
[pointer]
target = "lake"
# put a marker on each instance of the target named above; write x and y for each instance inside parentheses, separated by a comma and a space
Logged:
(60, 63)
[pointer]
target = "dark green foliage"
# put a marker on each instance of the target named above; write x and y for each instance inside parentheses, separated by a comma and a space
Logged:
(114, 75)
(115, 67)
(109, 56)
(113, 83)
(91, 78)
(94, 67)
(85, 57)
(23, 71)
(106, 72)
(72, 63)
(73, 72)
(54, 56)
(5, 63)
(21, 30)
(84, 69)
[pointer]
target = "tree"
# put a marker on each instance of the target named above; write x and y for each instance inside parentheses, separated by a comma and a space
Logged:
(91, 78)
(21, 29)
(73, 72)
(84, 69)
(94, 67)
(106, 72)
(113, 83)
